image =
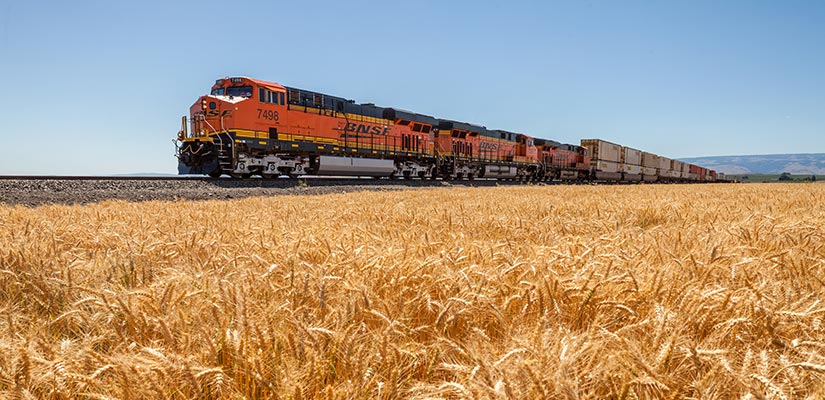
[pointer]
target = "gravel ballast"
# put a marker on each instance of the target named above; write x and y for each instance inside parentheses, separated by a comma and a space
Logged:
(34, 192)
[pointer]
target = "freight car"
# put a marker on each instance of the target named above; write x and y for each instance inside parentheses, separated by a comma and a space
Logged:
(247, 127)
(613, 162)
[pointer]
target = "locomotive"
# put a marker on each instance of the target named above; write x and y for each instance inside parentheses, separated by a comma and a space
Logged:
(247, 127)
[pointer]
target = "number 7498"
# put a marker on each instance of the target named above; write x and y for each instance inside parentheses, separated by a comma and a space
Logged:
(271, 115)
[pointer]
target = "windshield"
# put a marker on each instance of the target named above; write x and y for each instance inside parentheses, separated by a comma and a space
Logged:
(240, 91)
(217, 92)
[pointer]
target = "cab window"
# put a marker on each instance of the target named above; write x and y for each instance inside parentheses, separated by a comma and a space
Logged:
(217, 92)
(239, 91)
(268, 96)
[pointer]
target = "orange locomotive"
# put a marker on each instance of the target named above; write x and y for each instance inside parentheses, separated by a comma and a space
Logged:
(563, 161)
(248, 127)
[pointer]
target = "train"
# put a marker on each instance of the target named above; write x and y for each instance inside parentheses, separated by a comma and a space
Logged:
(249, 127)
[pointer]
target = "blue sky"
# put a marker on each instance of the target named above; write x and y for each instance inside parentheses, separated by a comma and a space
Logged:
(99, 86)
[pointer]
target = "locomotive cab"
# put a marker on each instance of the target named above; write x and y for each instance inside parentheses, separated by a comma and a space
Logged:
(238, 104)
(526, 148)
(236, 110)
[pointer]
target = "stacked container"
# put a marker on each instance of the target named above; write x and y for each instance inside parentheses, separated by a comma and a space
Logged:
(632, 164)
(650, 162)
(603, 150)
(605, 158)
(676, 168)
(610, 161)
(663, 169)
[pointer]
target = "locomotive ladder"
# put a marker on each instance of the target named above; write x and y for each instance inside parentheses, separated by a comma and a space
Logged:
(223, 144)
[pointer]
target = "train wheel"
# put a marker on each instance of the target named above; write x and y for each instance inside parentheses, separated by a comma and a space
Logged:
(422, 175)
(215, 174)
(470, 177)
(407, 175)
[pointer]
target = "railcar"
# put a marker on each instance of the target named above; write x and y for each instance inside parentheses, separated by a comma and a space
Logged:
(613, 162)
(248, 127)
(563, 161)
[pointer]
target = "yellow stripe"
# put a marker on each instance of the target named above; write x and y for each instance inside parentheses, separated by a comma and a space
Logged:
(325, 140)
(261, 142)
(294, 145)
(201, 138)
(244, 133)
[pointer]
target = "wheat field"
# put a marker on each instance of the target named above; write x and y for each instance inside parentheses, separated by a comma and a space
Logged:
(568, 292)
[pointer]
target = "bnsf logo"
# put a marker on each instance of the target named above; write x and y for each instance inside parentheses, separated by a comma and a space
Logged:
(488, 146)
(362, 128)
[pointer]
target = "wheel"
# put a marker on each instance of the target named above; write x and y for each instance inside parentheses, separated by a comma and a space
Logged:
(215, 174)
(407, 175)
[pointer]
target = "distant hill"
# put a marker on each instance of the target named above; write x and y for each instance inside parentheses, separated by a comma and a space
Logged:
(764, 164)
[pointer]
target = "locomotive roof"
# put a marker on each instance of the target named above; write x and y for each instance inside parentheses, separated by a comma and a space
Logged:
(397, 113)
(546, 142)
(570, 147)
(271, 85)
(322, 94)
(464, 126)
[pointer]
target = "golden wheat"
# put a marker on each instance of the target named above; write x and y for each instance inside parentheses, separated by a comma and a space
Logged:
(517, 292)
